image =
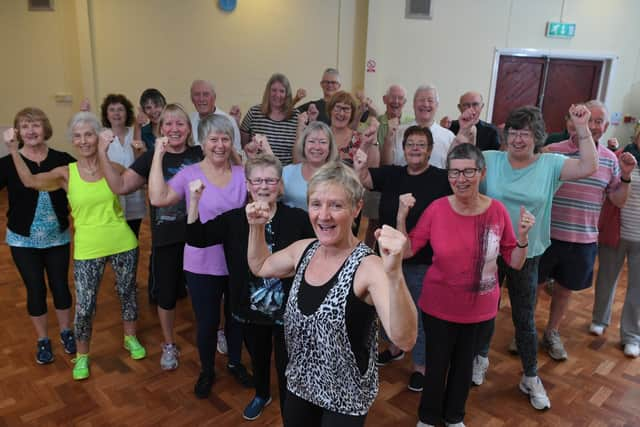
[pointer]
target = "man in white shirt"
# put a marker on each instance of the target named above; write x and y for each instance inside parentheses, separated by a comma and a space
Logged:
(203, 96)
(425, 106)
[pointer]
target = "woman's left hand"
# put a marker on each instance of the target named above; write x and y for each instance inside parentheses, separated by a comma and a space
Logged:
(391, 243)
(527, 220)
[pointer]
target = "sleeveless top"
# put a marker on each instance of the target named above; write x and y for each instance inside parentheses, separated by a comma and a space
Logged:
(322, 368)
(99, 226)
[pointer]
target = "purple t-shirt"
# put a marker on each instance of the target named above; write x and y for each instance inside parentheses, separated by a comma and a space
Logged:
(213, 202)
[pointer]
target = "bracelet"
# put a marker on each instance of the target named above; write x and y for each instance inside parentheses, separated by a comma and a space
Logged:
(625, 180)
(522, 246)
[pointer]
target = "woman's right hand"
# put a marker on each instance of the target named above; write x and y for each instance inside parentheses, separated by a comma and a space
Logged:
(303, 120)
(313, 113)
(141, 118)
(196, 187)
(10, 139)
(406, 202)
(258, 212)
(161, 145)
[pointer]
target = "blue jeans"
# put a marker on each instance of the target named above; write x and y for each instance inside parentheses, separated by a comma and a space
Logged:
(413, 276)
(522, 285)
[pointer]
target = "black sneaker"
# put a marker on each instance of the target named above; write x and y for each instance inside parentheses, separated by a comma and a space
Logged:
(68, 341)
(44, 354)
(386, 357)
(416, 382)
(241, 375)
(202, 389)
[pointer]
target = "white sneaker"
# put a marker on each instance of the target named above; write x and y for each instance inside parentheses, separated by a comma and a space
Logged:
(632, 350)
(596, 329)
(533, 387)
(421, 424)
(222, 342)
(460, 424)
(480, 366)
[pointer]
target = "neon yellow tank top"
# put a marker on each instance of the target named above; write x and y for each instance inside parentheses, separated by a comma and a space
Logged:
(99, 226)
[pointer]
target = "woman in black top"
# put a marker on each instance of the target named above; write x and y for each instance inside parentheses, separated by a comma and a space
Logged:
(424, 183)
(38, 229)
(256, 302)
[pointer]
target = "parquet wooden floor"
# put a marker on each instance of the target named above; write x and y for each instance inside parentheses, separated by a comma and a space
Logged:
(597, 386)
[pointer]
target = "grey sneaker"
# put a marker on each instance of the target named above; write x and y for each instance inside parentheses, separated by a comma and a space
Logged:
(553, 343)
(532, 386)
(480, 366)
(169, 358)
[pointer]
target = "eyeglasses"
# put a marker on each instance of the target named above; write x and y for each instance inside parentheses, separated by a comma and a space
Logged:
(523, 134)
(411, 145)
(467, 172)
(330, 82)
(259, 181)
(341, 109)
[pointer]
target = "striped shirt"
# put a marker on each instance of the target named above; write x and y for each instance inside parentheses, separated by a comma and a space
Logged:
(281, 134)
(576, 204)
(630, 213)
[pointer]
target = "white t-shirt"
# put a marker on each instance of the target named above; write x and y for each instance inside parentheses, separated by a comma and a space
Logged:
(195, 120)
(134, 204)
(442, 139)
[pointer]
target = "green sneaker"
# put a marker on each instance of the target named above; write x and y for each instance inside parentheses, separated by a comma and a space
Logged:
(136, 349)
(81, 367)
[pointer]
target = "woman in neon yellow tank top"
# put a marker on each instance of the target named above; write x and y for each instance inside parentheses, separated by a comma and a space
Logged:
(101, 235)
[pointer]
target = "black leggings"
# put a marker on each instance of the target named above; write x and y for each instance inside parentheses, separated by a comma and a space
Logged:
(260, 339)
(301, 413)
(32, 264)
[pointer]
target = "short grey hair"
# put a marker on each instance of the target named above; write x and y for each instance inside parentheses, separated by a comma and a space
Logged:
(206, 82)
(466, 152)
(85, 117)
(424, 88)
(594, 103)
(263, 161)
(399, 87)
(312, 127)
(340, 174)
(333, 71)
(215, 123)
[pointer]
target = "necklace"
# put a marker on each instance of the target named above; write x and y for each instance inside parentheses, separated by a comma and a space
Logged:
(89, 171)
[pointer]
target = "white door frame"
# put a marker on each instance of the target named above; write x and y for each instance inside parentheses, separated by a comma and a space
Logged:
(609, 62)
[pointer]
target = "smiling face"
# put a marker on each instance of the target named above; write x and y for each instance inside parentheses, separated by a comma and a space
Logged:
(425, 105)
(217, 147)
(264, 184)
(176, 127)
(116, 115)
(277, 96)
(152, 110)
(31, 132)
(330, 84)
(520, 144)
(395, 100)
(331, 213)
(598, 122)
(473, 101)
(85, 139)
(463, 186)
(316, 148)
(203, 98)
(417, 151)
(341, 115)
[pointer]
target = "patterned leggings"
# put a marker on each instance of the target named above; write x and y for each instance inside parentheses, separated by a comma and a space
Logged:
(88, 275)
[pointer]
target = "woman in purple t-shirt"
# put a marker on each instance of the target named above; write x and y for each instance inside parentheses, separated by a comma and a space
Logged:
(460, 291)
(205, 268)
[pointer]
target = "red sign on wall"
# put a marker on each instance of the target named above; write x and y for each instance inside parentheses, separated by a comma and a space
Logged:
(371, 66)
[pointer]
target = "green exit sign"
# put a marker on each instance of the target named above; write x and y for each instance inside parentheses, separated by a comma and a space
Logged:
(562, 30)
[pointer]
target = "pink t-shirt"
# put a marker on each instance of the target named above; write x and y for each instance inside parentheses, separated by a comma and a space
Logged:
(213, 202)
(462, 283)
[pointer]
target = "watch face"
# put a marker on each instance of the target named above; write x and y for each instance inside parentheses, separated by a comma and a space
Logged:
(227, 5)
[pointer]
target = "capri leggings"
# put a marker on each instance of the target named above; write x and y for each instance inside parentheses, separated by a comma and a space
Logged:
(88, 275)
(32, 264)
(167, 280)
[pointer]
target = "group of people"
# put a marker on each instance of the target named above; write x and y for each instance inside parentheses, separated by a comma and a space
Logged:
(255, 216)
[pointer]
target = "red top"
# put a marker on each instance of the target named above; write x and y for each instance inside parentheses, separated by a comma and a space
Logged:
(462, 283)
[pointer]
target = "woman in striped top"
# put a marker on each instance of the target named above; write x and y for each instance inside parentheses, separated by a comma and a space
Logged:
(275, 117)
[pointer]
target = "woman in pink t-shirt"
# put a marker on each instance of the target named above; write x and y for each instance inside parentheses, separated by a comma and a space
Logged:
(467, 232)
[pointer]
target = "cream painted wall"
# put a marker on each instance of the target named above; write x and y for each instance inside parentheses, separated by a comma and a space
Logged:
(455, 49)
(39, 51)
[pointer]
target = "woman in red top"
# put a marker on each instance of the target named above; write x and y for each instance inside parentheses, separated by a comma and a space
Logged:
(467, 232)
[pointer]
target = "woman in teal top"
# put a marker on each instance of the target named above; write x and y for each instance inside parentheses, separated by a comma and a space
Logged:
(522, 176)
(101, 235)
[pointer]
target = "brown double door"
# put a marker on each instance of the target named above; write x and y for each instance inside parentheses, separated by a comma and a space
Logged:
(552, 84)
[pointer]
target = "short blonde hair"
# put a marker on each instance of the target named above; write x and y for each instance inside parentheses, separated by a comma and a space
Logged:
(312, 127)
(340, 174)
